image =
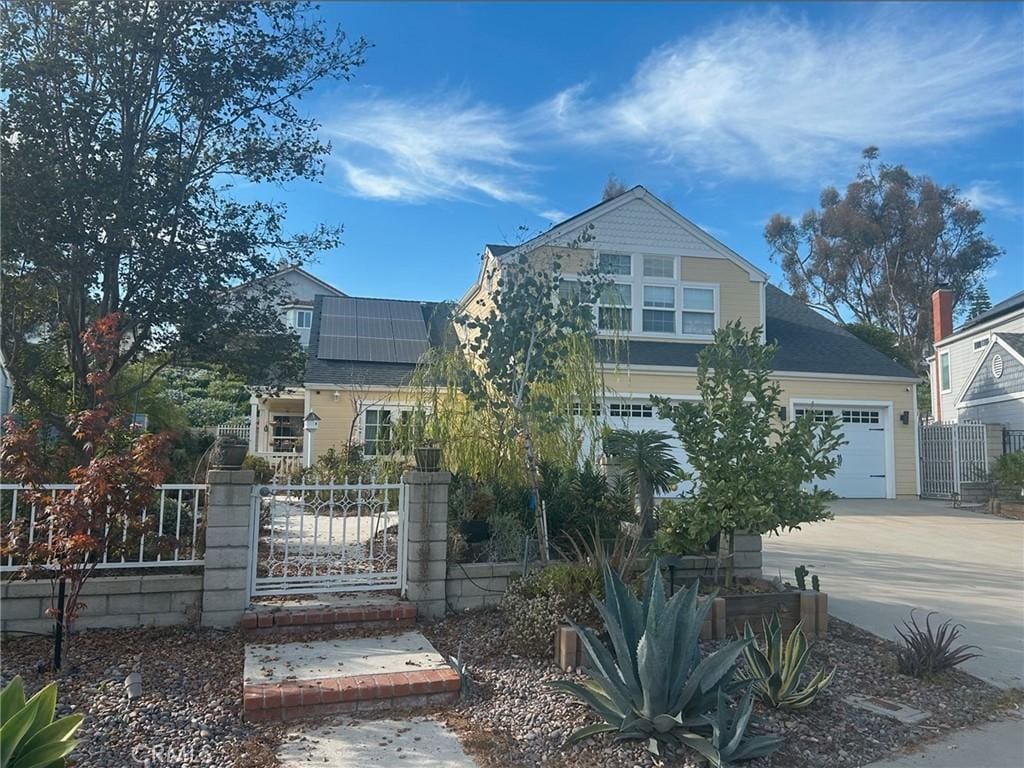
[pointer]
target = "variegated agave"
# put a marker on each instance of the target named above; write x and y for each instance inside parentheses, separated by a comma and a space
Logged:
(775, 671)
(653, 683)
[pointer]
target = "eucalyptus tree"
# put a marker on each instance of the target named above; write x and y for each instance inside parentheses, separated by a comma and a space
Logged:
(129, 127)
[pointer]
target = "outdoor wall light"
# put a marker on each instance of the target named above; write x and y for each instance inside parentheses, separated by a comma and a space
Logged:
(905, 417)
(312, 422)
(782, 413)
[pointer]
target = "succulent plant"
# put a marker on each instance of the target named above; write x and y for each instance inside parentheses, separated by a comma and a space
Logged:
(926, 651)
(29, 736)
(728, 743)
(652, 684)
(774, 671)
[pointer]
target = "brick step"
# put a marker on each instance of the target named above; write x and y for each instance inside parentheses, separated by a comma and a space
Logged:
(296, 680)
(298, 700)
(396, 615)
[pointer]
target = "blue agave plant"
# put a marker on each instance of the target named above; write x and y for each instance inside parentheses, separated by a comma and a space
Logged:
(653, 683)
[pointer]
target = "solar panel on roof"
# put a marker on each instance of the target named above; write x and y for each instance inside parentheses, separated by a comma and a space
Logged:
(371, 330)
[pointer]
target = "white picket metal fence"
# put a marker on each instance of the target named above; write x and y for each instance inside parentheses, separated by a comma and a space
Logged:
(327, 538)
(284, 465)
(951, 454)
(172, 527)
(239, 431)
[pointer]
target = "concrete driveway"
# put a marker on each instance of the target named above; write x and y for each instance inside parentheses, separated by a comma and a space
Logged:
(880, 558)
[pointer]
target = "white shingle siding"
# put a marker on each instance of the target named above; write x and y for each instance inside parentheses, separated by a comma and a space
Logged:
(638, 226)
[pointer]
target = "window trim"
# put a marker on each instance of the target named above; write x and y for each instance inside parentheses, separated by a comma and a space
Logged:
(715, 312)
(985, 343)
(949, 373)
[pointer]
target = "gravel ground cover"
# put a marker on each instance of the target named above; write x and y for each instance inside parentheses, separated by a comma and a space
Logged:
(510, 718)
(189, 713)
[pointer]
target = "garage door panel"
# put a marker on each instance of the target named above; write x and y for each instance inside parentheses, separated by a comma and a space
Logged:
(862, 471)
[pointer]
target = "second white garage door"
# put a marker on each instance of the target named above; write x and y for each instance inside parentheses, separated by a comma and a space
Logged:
(862, 473)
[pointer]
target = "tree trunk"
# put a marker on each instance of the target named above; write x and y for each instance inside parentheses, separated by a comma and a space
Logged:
(645, 507)
(538, 510)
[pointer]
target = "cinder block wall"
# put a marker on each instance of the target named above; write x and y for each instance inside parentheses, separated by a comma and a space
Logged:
(156, 600)
(478, 585)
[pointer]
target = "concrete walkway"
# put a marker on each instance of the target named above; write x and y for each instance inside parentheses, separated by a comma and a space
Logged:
(878, 559)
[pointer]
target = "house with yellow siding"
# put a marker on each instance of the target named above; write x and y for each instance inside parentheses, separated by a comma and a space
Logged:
(671, 285)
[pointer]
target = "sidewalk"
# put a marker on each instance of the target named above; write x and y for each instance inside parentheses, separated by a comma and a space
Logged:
(995, 745)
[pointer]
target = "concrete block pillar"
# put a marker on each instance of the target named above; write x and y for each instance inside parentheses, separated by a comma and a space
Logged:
(427, 551)
(228, 546)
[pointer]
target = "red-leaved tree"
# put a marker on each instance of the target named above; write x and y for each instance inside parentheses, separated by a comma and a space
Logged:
(115, 471)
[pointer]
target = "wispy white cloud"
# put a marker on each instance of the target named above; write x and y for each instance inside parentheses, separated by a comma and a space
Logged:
(767, 95)
(429, 148)
(553, 215)
(770, 95)
(987, 197)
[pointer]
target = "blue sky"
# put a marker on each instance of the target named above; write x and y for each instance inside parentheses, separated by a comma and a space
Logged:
(470, 120)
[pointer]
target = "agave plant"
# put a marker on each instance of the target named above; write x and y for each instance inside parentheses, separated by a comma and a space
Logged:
(29, 736)
(774, 671)
(653, 683)
(926, 651)
(728, 743)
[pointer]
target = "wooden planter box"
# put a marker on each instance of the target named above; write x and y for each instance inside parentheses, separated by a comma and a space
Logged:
(727, 617)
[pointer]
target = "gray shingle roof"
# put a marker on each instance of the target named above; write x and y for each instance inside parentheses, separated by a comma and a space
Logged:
(1014, 341)
(1016, 301)
(808, 343)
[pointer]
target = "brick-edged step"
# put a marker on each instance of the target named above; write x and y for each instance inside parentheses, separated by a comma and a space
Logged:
(388, 616)
(291, 681)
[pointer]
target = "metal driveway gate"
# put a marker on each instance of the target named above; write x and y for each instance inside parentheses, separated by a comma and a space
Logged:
(951, 454)
(309, 539)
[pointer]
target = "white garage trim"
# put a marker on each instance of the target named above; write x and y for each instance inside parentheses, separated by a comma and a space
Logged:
(890, 430)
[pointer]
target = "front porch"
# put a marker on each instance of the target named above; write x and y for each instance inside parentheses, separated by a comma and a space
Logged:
(276, 432)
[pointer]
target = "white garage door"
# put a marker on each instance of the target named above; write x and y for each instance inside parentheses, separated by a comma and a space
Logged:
(861, 475)
(637, 415)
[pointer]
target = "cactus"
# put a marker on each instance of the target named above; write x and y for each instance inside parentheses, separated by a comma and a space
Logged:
(801, 577)
(815, 583)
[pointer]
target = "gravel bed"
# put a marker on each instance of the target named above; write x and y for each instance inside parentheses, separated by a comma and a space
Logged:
(510, 718)
(189, 713)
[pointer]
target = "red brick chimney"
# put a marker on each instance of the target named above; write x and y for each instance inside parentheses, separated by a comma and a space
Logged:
(942, 312)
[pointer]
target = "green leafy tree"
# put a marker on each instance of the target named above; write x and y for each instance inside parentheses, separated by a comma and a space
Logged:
(875, 253)
(126, 126)
(645, 459)
(751, 470)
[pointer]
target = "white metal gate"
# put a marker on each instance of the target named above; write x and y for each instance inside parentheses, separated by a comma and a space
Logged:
(309, 539)
(951, 454)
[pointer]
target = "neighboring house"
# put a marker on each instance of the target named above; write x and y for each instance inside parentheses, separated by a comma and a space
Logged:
(6, 387)
(675, 285)
(977, 371)
(298, 289)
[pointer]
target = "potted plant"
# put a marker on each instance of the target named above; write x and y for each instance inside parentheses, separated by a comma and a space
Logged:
(475, 526)
(428, 456)
(229, 452)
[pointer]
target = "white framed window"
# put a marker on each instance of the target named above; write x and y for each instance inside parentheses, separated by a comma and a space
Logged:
(615, 308)
(660, 266)
(945, 381)
(631, 410)
(699, 310)
(860, 417)
(377, 431)
(818, 415)
(659, 314)
(577, 409)
(300, 318)
(615, 263)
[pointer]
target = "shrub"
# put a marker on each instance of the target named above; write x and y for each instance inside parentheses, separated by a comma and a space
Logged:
(775, 670)
(653, 683)
(926, 651)
(259, 465)
(1008, 472)
(29, 735)
(534, 606)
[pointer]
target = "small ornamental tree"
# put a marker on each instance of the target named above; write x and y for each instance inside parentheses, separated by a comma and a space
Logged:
(752, 471)
(115, 471)
(530, 353)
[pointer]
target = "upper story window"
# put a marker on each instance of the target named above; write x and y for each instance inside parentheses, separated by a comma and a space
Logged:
(649, 296)
(300, 318)
(945, 383)
(981, 344)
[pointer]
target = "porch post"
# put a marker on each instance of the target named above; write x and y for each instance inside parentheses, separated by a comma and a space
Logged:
(228, 546)
(254, 424)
